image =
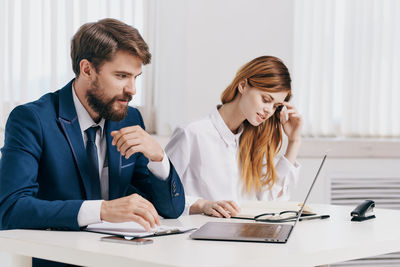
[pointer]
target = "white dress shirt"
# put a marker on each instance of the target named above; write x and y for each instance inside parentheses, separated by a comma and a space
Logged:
(205, 155)
(89, 211)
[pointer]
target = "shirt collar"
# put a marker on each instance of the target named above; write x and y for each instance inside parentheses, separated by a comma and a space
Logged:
(223, 129)
(85, 121)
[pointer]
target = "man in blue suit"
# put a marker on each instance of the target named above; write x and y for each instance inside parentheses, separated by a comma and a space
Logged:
(80, 155)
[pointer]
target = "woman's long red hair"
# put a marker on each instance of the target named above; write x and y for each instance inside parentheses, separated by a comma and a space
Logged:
(260, 144)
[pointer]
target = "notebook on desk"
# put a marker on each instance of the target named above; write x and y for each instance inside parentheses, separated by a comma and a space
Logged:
(252, 232)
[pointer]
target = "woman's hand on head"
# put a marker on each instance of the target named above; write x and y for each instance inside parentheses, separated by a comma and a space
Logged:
(292, 122)
(222, 208)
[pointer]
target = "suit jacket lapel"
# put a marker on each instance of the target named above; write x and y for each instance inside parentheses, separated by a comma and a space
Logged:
(70, 125)
(114, 161)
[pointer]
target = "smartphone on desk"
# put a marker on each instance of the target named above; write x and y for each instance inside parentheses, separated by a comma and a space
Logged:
(120, 239)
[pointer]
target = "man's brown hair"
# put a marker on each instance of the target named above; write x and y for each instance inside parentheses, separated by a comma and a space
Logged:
(98, 42)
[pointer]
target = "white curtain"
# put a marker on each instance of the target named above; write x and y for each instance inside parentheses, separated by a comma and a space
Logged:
(346, 75)
(35, 43)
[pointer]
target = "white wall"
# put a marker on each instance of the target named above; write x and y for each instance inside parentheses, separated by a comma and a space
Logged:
(342, 167)
(201, 45)
(360, 158)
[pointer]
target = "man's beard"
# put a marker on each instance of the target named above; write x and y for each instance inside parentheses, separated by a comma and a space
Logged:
(103, 106)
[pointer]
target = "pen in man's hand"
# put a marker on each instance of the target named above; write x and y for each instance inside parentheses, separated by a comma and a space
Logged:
(314, 217)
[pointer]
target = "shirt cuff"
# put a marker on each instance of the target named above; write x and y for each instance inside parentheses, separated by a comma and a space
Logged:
(284, 167)
(89, 212)
(160, 168)
(189, 201)
(288, 176)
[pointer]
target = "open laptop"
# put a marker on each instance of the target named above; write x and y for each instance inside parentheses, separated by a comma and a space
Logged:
(251, 232)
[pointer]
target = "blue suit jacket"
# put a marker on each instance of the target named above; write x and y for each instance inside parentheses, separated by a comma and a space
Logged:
(44, 176)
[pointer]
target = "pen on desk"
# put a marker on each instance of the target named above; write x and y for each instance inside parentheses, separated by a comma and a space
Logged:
(314, 217)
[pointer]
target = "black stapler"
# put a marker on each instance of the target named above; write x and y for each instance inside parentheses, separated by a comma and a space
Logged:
(359, 214)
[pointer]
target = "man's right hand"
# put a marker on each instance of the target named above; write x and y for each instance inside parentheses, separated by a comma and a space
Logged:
(130, 208)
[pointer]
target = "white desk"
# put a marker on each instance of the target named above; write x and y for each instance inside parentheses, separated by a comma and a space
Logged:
(312, 243)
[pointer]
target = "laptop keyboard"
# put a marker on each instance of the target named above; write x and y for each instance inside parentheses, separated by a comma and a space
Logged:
(258, 230)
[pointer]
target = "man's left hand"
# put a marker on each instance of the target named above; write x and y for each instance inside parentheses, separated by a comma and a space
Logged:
(133, 139)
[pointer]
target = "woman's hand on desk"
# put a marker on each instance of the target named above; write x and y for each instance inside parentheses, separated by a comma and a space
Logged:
(133, 208)
(222, 208)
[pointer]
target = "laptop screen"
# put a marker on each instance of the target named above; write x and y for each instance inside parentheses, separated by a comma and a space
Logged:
(251, 232)
(309, 191)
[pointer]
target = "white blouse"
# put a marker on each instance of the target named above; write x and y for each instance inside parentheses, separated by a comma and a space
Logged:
(205, 155)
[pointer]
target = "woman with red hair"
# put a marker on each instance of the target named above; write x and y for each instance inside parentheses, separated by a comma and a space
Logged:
(231, 155)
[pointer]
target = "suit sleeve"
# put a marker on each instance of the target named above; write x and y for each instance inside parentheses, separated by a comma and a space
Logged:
(19, 165)
(179, 152)
(167, 195)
